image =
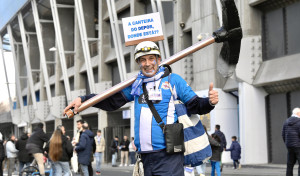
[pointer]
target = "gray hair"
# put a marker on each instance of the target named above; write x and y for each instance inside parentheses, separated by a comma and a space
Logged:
(296, 111)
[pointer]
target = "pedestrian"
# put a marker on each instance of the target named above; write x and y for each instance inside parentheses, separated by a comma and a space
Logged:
(215, 159)
(223, 141)
(235, 152)
(74, 160)
(114, 151)
(2, 154)
(84, 149)
(132, 150)
(202, 168)
(124, 147)
(35, 145)
(100, 148)
(11, 153)
(149, 137)
(60, 151)
(291, 138)
(90, 168)
(25, 159)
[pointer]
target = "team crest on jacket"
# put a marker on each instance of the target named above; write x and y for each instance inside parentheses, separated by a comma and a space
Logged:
(165, 85)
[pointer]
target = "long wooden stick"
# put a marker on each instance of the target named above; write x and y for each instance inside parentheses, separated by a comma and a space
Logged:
(113, 90)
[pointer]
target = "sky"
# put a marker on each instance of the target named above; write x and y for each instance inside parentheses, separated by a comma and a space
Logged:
(10, 74)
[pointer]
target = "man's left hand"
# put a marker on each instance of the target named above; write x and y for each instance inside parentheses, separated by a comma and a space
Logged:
(213, 95)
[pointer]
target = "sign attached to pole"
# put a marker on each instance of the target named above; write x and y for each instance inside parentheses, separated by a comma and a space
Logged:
(142, 28)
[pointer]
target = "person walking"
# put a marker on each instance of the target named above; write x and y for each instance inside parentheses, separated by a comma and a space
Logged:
(100, 148)
(2, 154)
(157, 80)
(11, 153)
(124, 146)
(114, 151)
(84, 149)
(235, 152)
(25, 159)
(35, 145)
(60, 151)
(291, 138)
(215, 159)
(223, 143)
(132, 150)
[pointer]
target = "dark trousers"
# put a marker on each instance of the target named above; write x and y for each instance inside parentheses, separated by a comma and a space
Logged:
(90, 169)
(235, 163)
(293, 156)
(1, 169)
(132, 157)
(163, 164)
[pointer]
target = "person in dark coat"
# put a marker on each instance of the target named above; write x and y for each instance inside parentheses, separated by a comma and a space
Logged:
(35, 146)
(24, 157)
(114, 151)
(2, 153)
(124, 145)
(291, 138)
(223, 142)
(215, 159)
(84, 149)
(235, 152)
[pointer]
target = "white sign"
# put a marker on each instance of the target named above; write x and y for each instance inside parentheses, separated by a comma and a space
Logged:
(141, 28)
(126, 114)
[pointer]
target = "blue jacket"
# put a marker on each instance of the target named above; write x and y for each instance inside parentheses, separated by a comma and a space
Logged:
(223, 139)
(235, 150)
(84, 147)
(149, 136)
(291, 132)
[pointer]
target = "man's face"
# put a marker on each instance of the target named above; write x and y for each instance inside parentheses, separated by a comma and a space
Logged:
(98, 134)
(13, 138)
(125, 138)
(149, 64)
(63, 130)
(79, 125)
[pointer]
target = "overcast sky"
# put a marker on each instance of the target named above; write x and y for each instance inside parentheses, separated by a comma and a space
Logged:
(11, 76)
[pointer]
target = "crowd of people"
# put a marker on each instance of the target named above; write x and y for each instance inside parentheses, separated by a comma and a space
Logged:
(85, 147)
(63, 153)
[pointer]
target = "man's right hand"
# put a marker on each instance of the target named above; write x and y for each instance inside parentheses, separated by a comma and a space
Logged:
(74, 104)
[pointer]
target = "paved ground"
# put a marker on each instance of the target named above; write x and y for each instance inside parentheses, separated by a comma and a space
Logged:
(248, 170)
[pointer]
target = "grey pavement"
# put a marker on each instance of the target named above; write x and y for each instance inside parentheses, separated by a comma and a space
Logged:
(246, 170)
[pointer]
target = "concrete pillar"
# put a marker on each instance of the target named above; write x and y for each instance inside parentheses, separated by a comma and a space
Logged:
(104, 45)
(204, 20)
(79, 82)
(253, 125)
(224, 114)
(136, 8)
(102, 120)
(57, 122)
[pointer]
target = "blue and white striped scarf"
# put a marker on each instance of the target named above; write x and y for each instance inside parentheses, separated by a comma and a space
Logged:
(137, 85)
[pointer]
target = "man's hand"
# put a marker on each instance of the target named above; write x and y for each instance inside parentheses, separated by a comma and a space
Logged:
(74, 104)
(213, 95)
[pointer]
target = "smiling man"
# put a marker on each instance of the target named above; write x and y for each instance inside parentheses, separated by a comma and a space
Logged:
(149, 137)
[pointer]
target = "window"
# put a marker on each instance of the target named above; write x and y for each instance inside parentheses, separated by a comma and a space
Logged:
(280, 31)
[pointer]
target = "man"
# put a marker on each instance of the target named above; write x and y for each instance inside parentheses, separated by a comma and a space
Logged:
(35, 146)
(24, 157)
(149, 137)
(223, 143)
(11, 153)
(291, 138)
(124, 145)
(79, 130)
(84, 149)
(100, 148)
(114, 151)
